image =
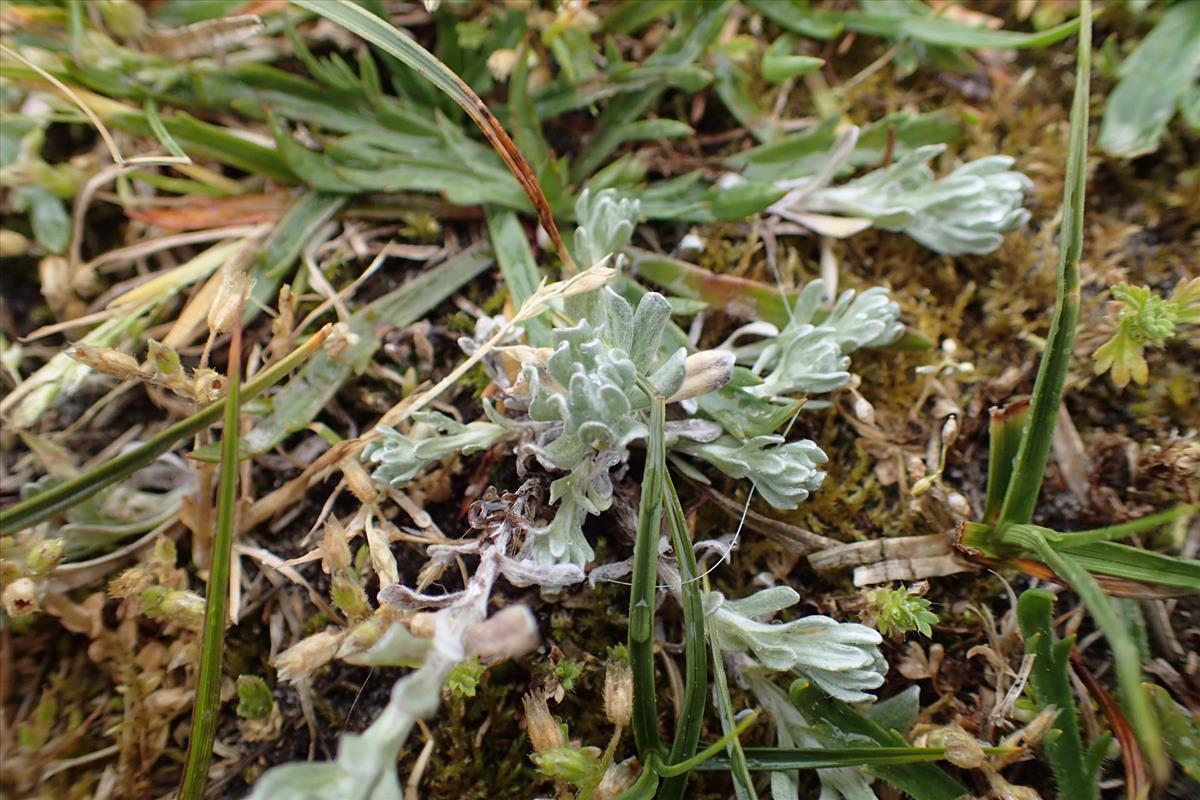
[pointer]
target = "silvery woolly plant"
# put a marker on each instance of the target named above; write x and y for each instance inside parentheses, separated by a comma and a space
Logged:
(583, 403)
(842, 658)
(965, 212)
(576, 409)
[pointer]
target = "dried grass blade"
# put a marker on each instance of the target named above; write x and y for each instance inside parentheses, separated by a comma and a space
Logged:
(42, 506)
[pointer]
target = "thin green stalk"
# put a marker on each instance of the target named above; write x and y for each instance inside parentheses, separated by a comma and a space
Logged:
(45, 505)
(1114, 532)
(1124, 651)
(641, 594)
(695, 687)
(743, 784)
(714, 749)
(208, 685)
(776, 759)
(1030, 466)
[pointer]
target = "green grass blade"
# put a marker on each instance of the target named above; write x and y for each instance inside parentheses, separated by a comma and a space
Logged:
(1124, 649)
(203, 139)
(1051, 685)
(686, 766)
(773, 759)
(743, 784)
(1181, 730)
(695, 687)
(1030, 466)
(1136, 564)
(753, 299)
(641, 594)
(160, 132)
(947, 33)
(518, 267)
(58, 498)
(1112, 533)
(208, 684)
(628, 16)
(825, 24)
(280, 252)
(691, 37)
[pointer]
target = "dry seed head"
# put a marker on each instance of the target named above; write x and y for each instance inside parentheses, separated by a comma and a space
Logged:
(958, 504)
(226, 307)
(382, 559)
(501, 62)
(1030, 736)
(54, 276)
(863, 409)
(950, 430)
(20, 598)
(131, 582)
(284, 321)
(334, 548)
(359, 480)
(618, 693)
(164, 360)
(617, 779)
(544, 732)
(923, 485)
(341, 338)
(208, 385)
(962, 750)
(574, 765)
(367, 633)
(178, 606)
(706, 372)
(107, 360)
(592, 278)
(306, 656)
